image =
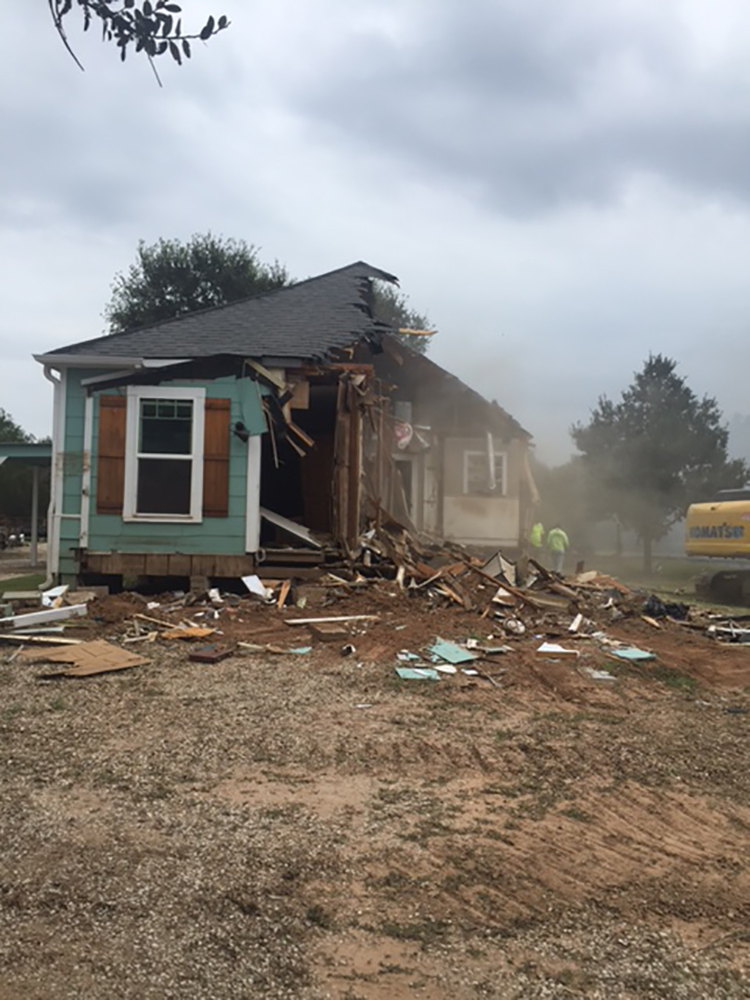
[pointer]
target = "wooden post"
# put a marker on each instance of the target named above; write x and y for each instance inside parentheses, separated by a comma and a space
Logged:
(34, 516)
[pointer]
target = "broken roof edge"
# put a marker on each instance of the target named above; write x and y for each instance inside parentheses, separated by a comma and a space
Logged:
(443, 372)
(366, 271)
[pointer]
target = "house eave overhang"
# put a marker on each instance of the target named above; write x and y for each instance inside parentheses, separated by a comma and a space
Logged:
(87, 361)
(102, 361)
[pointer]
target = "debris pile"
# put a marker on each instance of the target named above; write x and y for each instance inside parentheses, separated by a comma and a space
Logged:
(429, 612)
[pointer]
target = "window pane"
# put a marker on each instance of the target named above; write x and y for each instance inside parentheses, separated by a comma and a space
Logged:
(477, 472)
(166, 427)
(164, 486)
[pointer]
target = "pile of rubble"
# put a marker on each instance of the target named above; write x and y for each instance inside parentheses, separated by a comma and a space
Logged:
(427, 612)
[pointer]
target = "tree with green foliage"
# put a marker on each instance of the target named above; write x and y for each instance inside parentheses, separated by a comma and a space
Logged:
(171, 278)
(153, 27)
(15, 480)
(654, 452)
(392, 306)
(10, 431)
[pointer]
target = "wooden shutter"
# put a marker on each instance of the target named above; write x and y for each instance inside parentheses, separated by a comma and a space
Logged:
(110, 479)
(216, 458)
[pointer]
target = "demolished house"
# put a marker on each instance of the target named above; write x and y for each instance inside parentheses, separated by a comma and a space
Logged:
(274, 432)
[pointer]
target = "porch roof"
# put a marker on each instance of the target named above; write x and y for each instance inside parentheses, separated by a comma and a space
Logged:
(21, 453)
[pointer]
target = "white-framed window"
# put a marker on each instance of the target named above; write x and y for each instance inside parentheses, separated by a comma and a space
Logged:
(477, 475)
(164, 454)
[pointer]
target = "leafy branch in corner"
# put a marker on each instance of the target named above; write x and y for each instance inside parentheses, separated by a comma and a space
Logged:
(153, 27)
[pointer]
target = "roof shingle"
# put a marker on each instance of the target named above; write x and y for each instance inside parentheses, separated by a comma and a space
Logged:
(306, 320)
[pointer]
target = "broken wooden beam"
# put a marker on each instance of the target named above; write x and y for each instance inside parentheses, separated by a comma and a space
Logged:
(333, 618)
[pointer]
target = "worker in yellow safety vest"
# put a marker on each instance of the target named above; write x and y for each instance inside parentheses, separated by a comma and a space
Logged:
(536, 541)
(557, 543)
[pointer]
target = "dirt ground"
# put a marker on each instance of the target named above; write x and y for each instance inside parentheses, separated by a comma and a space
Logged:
(310, 826)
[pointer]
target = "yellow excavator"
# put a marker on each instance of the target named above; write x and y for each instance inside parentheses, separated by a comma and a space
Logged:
(720, 529)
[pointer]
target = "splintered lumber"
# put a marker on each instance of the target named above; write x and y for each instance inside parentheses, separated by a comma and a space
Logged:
(455, 587)
(154, 621)
(486, 677)
(336, 618)
(284, 593)
(551, 601)
(516, 591)
(194, 632)
(298, 432)
(447, 591)
(563, 591)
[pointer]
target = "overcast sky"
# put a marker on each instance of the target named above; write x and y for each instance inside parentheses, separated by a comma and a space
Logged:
(563, 186)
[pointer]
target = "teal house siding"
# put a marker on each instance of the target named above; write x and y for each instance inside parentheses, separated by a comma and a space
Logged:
(108, 532)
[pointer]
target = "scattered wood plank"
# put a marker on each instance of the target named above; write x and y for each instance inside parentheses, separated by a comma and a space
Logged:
(86, 659)
(333, 618)
(516, 591)
(154, 621)
(193, 632)
(563, 591)
(651, 621)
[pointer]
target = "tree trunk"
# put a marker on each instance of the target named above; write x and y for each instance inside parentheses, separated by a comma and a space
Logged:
(648, 561)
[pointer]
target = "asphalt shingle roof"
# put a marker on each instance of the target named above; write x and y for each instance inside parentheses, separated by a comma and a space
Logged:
(306, 320)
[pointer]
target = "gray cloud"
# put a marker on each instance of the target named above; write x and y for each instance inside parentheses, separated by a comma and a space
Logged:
(560, 184)
(539, 105)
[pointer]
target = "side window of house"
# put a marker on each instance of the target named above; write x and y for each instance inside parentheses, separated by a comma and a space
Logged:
(477, 474)
(164, 454)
